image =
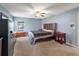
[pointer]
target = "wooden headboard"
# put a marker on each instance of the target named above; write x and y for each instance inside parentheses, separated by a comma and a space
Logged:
(50, 26)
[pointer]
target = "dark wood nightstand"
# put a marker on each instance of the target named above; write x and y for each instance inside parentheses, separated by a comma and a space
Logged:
(60, 37)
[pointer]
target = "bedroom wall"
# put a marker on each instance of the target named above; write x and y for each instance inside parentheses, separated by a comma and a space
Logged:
(64, 20)
(29, 23)
(6, 12)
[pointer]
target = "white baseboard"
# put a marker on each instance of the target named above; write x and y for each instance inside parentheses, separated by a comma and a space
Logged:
(69, 44)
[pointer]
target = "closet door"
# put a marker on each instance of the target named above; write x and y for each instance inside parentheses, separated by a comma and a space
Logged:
(4, 34)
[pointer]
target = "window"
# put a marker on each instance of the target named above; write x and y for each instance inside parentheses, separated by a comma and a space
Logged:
(20, 25)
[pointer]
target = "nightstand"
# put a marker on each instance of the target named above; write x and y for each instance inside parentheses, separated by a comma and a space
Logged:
(60, 37)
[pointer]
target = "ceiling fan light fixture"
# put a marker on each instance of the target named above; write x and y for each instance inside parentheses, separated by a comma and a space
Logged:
(40, 14)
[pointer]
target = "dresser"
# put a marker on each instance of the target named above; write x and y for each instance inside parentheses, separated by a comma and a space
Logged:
(60, 37)
(4, 33)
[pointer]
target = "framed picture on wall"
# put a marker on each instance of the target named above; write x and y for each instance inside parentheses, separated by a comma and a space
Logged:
(20, 25)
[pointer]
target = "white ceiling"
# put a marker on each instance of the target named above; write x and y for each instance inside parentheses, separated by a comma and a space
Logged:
(29, 9)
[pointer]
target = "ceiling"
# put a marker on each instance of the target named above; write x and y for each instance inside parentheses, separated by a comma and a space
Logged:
(38, 10)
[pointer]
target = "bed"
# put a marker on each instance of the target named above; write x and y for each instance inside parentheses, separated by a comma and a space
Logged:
(48, 30)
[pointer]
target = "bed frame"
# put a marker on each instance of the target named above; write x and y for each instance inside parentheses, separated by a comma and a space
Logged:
(49, 27)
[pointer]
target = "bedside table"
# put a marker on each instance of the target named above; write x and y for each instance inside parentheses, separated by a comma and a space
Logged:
(60, 37)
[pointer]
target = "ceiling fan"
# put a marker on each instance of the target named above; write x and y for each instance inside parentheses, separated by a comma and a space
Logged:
(40, 14)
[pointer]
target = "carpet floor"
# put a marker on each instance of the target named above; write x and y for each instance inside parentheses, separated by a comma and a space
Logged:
(45, 48)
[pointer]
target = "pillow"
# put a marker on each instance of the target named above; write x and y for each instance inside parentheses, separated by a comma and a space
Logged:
(48, 30)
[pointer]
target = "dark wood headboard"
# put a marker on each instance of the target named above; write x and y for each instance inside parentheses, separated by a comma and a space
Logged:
(50, 26)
